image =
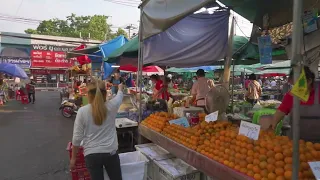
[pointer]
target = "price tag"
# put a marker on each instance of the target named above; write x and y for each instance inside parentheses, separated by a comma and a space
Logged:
(250, 130)
(212, 117)
(181, 121)
(315, 167)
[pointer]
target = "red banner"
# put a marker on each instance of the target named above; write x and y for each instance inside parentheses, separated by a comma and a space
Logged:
(50, 57)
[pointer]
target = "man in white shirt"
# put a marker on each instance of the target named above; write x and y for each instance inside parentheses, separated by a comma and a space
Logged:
(201, 88)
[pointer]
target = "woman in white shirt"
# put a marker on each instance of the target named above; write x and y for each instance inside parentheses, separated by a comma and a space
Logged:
(95, 126)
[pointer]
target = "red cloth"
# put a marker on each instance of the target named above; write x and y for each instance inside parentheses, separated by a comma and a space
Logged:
(287, 102)
(84, 59)
(246, 83)
(159, 85)
(21, 93)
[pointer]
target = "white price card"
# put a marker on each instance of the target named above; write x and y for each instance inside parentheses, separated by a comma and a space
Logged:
(212, 117)
(250, 130)
(315, 167)
(181, 121)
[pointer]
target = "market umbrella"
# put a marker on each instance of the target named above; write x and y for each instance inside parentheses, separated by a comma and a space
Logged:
(149, 70)
(13, 70)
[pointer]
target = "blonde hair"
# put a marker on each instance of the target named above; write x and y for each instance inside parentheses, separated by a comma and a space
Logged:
(97, 98)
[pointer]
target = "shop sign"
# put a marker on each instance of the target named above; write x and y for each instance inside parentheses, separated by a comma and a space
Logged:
(46, 71)
(310, 21)
(23, 62)
(249, 130)
(265, 49)
(50, 56)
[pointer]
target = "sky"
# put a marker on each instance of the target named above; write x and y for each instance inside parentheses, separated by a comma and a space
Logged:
(122, 12)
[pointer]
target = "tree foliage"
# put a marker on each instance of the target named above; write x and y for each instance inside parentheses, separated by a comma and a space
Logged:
(93, 27)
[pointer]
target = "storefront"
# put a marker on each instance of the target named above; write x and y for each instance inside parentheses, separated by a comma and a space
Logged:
(49, 63)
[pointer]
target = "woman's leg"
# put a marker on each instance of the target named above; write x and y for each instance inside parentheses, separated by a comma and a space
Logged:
(112, 165)
(94, 165)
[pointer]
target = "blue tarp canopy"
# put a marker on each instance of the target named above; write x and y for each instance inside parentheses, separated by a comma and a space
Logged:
(196, 40)
(107, 48)
(97, 53)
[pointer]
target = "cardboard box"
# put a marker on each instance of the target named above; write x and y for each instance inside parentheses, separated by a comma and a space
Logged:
(174, 169)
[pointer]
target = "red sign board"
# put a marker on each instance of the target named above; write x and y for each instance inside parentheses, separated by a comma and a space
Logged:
(48, 56)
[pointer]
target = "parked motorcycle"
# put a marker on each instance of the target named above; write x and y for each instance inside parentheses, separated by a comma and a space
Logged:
(68, 108)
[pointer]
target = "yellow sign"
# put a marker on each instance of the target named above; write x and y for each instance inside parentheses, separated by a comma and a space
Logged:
(300, 88)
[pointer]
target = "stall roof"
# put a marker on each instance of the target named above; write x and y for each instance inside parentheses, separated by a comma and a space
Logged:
(279, 11)
(159, 15)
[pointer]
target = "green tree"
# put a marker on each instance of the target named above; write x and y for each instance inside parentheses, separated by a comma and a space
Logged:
(95, 27)
(121, 32)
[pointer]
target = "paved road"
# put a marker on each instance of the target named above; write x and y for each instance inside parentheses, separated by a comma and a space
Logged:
(33, 139)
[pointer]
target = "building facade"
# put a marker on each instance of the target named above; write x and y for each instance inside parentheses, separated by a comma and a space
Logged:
(43, 57)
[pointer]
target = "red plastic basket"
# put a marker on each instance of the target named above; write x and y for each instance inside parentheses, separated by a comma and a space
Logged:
(80, 172)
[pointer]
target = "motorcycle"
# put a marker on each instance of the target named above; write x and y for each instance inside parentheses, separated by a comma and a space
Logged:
(68, 108)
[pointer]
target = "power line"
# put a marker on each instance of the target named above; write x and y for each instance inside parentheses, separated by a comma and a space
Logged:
(21, 2)
(124, 3)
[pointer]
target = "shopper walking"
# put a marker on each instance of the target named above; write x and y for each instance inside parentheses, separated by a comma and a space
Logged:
(31, 91)
(95, 127)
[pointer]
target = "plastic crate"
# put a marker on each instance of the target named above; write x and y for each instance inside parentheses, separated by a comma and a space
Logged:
(80, 169)
(80, 174)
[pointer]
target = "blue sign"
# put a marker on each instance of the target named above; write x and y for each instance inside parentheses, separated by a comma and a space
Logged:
(23, 62)
(181, 121)
(265, 49)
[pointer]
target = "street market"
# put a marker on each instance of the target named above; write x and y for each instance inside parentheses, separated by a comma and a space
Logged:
(184, 99)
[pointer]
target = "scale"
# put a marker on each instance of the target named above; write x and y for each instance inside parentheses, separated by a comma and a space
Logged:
(125, 123)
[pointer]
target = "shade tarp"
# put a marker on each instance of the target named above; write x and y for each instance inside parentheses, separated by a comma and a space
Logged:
(159, 15)
(279, 11)
(196, 40)
(97, 53)
(280, 65)
(132, 46)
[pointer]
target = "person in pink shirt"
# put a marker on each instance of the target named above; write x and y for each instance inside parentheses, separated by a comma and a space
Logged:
(200, 88)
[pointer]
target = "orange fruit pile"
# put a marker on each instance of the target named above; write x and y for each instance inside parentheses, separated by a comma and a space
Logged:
(268, 158)
(158, 120)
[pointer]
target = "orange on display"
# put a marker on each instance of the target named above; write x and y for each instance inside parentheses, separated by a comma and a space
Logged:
(269, 157)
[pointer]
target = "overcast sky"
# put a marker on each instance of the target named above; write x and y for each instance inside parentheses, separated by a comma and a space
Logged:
(121, 11)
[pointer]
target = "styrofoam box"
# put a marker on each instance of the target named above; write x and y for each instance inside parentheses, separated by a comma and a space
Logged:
(175, 169)
(153, 152)
(133, 166)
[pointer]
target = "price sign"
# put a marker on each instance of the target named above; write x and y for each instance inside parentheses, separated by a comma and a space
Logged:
(181, 121)
(315, 167)
(250, 130)
(212, 117)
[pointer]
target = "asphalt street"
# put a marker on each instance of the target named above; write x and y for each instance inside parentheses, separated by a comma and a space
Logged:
(33, 140)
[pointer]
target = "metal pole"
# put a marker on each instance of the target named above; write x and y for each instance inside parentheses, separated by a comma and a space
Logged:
(232, 88)
(227, 63)
(296, 58)
(140, 65)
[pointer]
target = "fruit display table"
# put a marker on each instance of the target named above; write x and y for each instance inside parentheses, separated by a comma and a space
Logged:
(202, 163)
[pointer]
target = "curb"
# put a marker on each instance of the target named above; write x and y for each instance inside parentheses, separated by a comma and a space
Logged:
(47, 89)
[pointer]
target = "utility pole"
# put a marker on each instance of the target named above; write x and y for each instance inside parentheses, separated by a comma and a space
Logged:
(129, 28)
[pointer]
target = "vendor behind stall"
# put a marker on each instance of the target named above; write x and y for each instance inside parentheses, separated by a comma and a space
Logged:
(200, 88)
(309, 111)
(160, 90)
(115, 81)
